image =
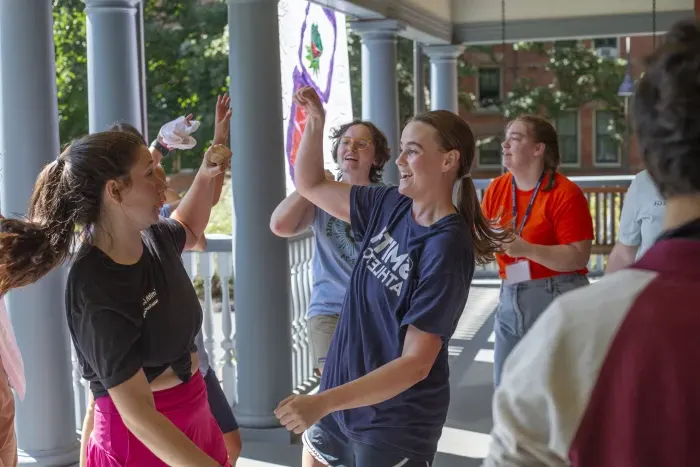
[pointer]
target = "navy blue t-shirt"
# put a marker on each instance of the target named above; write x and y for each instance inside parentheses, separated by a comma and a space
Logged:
(406, 274)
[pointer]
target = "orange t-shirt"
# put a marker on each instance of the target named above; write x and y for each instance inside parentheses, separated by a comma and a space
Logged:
(559, 216)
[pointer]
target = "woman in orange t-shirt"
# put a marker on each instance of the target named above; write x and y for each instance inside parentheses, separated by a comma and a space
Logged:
(552, 226)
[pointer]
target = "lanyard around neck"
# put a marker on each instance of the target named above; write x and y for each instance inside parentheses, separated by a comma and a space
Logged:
(529, 206)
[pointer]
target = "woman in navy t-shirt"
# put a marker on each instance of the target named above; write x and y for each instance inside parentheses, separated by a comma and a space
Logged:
(385, 392)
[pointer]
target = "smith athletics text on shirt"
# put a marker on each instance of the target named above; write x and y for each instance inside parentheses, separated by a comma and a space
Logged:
(406, 274)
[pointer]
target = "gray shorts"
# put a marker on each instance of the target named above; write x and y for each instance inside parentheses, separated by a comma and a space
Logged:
(321, 329)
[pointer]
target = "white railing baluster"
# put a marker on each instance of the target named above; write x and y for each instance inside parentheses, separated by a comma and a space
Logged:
(206, 269)
(297, 303)
(224, 262)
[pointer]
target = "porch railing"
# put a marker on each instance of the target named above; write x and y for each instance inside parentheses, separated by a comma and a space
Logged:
(605, 196)
(213, 276)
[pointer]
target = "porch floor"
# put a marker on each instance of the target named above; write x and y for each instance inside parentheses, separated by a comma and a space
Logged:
(465, 438)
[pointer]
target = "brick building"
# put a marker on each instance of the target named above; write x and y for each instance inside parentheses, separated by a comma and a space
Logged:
(586, 145)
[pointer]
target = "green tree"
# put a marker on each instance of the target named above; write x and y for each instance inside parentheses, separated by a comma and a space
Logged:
(187, 66)
(71, 68)
(580, 78)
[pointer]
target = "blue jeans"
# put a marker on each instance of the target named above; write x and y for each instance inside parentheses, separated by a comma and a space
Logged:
(519, 306)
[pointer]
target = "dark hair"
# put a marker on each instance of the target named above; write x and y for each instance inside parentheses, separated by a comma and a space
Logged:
(666, 118)
(67, 193)
(127, 128)
(454, 133)
(381, 146)
(542, 131)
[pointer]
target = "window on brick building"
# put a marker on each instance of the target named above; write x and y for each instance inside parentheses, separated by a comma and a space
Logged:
(607, 148)
(489, 153)
(606, 47)
(563, 45)
(489, 88)
(566, 124)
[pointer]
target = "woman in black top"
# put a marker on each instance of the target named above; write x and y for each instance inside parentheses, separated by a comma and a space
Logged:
(132, 311)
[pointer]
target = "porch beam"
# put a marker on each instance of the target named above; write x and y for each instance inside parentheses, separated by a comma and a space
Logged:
(581, 27)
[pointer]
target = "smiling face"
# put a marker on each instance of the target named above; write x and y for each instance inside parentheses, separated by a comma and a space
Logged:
(423, 164)
(356, 153)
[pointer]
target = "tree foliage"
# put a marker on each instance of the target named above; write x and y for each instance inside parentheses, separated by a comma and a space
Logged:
(187, 66)
(580, 77)
(71, 68)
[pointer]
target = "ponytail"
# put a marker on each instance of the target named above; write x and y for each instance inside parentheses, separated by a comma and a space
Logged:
(31, 248)
(487, 241)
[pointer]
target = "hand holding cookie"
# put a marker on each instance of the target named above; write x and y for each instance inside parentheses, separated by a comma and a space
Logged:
(216, 160)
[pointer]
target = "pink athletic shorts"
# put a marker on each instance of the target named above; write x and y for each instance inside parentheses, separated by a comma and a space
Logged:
(185, 405)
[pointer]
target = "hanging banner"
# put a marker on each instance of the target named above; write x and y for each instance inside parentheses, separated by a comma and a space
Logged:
(314, 52)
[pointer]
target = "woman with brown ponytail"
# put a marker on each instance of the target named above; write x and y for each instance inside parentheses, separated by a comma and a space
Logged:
(384, 390)
(551, 226)
(132, 311)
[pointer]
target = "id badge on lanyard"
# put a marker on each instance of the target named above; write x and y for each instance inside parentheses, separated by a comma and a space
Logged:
(519, 271)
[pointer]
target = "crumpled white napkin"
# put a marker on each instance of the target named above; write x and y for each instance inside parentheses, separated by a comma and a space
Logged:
(177, 135)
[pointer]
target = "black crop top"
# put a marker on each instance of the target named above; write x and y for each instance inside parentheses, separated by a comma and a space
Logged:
(125, 318)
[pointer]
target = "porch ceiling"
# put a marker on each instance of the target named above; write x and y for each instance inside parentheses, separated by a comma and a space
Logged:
(479, 21)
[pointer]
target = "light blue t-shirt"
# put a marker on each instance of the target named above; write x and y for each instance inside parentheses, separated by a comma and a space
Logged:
(335, 256)
(642, 218)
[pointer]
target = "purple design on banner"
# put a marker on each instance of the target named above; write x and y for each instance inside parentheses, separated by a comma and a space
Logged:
(302, 77)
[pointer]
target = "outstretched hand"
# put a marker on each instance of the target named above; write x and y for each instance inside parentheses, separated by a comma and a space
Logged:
(308, 99)
(298, 412)
(222, 126)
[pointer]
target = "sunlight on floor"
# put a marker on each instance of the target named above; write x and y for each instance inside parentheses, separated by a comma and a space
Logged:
(464, 443)
(479, 307)
(251, 463)
(484, 356)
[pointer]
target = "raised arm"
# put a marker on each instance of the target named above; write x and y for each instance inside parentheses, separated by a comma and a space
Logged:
(333, 197)
(294, 214)
(195, 208)
(221, 135)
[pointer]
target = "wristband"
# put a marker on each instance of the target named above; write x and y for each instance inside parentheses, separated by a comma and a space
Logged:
(160, 147)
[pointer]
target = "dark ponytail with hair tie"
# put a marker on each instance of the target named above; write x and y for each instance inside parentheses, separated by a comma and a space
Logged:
(67, 194)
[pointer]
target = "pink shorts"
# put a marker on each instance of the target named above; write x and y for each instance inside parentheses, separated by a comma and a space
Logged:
(112, 445)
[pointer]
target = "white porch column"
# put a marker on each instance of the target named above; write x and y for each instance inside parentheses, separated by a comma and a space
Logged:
(262, 298)
(114, 72)
(380, 92)
(45, 420)
(444, 78)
